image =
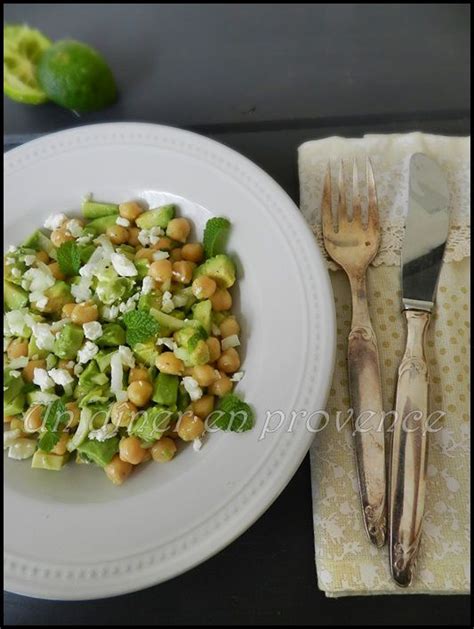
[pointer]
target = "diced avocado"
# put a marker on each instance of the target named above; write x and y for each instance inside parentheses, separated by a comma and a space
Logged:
(102, 359)
(32, 242)
(40, 397)
(46, 461)
(166, 389)
(93, 210)
(99, 452)
(182, 336)
(99, 395)
(100, 225)
(15, 296)
(91, 377)
(151, 300)
(34, 350)
(40, 242)
(85, 252)
(113, 335)
(200, 354)
(220, 268)
(150, 425)
(146, 352)
(58, 295)
(111, 287)
(159, 217)
(218, 317)
(127, 250)
(183, 400)
(166, 320)
(142, 265)
(202, 312)
(68, 341)
(13, 395)
(192, 339)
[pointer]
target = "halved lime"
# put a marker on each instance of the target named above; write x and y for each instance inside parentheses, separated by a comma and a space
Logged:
(76, 76)
(22, 49)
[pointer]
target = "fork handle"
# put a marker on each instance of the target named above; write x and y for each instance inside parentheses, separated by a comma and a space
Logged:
(368, 429)
(409, 452)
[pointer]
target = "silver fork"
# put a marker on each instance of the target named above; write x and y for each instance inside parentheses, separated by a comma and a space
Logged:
(353, 246)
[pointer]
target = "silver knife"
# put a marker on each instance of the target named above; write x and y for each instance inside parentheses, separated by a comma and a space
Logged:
(426, 232)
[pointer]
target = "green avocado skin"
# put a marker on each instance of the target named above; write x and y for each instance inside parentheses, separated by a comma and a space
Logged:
(76, 76)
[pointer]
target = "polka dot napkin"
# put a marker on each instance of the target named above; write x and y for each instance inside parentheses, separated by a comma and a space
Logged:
(347, 564)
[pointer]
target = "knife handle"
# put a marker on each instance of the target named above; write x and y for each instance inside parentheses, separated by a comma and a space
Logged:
(409, 452)
(368, 430)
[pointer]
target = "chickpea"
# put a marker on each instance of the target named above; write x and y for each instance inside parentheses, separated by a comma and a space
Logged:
(84, 313)
(74, 414)
(188, 371)
(214, 348)
(164, 244)
(42, 256)
(163, 450)
(133, 236)
(17, 424)
(168, 363)
(29, 371)
(60, 447)
(33, 419)
(190, 427)
(203, 407)
(203, 287)
(144, 253)
(17, 348)
(229, 327)
(176, 255)
(123, 413)
(131, 451)
(140, 392)
(118, 234)
(60, 236)
(56, 271)
(221, 386)
(161, 270)
(178, 229)
(183, 271)
(67, 310)
(229, 360)
(68, 365)
(204, 375)
(138, 373)
(8, 418)
(171, 432)
(130, 210)
(146, 455)
(193, 252)
(221, 300)
(117, 470)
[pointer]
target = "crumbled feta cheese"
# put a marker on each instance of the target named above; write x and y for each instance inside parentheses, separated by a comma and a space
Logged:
(161, 255)
(143, 237)
(11, 249)
(106, 245)
(128, 305)
(155, 234)
(74, 227)
(167, 342)
(230, 341)
(16, 272)
(148, 285)
(78, 369)
(85, 239)
(92, 330)
(216, 330)
(102, 434)
(180, 300)
(192, 387)
(87, 353)
(197, 444)
(45, 398)
(17, 322)
(82, 291)
(60, 376)
(123, 266)
(10, 436)
(43, 336)
(40, 303)
(167, 304)
(126, 356)
(39, 279)
(116, 373)
(110, 313)
(54, 221)
(29, 260)
(237, 377)
(124, 222)
(18, 363)
(97, 261)
(15, 374)
(56, 326)
(42, 379)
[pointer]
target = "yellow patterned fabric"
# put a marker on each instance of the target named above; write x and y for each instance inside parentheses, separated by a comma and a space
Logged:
(347, 564)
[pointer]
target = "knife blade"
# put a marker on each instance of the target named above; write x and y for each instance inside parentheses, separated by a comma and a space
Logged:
(426, 232)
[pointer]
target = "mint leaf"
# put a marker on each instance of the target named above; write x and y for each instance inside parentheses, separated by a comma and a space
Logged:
(140, 326)
(69, 258)
(48, 441)
(235, 414)
(55, 416)
(215, 235)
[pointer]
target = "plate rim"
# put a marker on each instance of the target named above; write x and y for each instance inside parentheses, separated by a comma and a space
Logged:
(140, 133)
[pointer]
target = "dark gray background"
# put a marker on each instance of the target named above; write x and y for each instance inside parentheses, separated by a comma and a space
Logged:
(263, 79)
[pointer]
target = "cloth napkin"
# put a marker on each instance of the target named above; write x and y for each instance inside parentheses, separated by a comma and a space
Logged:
(347, 564)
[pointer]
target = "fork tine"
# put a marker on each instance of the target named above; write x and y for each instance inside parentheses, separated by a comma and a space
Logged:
(326, 212)
(341, 204)
(373, 211)
(356, 203)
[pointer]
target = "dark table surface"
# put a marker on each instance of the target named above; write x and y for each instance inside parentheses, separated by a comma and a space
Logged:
(262, 79)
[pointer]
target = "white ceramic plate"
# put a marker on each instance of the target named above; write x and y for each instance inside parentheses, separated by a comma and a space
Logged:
(73, 535)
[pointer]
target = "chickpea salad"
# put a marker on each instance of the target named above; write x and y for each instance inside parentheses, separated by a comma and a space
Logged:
(119, 339)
